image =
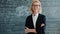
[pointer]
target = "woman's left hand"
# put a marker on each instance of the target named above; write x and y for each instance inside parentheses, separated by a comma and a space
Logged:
(42, 25)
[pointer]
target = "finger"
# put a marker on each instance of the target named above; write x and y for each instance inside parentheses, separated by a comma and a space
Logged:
(42, 25)
(26, 27)
(26, 31)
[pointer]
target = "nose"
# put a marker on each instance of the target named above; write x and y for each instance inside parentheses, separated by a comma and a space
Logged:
(35, 7)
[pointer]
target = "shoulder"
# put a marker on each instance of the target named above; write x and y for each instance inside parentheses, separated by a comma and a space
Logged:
(28, 16)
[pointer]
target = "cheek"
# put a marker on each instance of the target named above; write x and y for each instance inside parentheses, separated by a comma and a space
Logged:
(38, 8)
(33, 8)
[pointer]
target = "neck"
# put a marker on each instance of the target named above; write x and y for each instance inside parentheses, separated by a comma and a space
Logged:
(35, 14)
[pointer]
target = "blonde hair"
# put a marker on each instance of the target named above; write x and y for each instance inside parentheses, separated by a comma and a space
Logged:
(40, 11)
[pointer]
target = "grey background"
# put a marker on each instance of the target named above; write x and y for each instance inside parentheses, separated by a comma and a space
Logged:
(13, 14)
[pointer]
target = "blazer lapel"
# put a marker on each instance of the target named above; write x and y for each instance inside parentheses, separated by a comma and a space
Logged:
(38, 18)
(32, 22)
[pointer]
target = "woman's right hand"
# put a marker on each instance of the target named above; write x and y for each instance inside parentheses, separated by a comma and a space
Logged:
(27, 30)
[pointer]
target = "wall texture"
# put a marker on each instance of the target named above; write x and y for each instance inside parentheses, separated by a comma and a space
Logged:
(13, 14)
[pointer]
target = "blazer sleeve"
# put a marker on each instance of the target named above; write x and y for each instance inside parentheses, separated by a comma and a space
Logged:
(26, 22)
(44, 19)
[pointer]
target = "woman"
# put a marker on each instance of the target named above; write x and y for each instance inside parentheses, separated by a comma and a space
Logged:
(35, 22)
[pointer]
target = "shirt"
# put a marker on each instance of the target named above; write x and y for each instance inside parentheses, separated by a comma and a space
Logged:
(34, 17)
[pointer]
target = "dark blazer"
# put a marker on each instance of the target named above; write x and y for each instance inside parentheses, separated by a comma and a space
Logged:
(41, 19)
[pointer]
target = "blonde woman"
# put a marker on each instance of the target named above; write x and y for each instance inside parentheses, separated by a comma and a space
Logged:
(35, 22)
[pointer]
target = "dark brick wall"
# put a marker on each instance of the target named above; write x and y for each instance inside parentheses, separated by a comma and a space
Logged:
(13, 14)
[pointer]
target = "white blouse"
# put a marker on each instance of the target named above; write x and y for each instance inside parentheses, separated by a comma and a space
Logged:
(34, 17)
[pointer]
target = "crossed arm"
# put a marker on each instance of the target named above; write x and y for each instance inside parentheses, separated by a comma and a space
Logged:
(27, 30)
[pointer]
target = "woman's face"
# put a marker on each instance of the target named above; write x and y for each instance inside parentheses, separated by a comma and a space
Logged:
(35, 7)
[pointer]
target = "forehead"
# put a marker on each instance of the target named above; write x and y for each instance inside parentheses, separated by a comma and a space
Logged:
(34, 3)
